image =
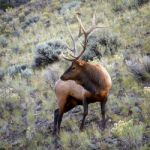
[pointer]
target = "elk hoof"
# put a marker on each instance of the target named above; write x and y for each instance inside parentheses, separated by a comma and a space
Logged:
(81, 128)
(102, 126)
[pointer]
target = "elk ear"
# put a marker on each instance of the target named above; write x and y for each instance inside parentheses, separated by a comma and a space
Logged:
(81, 62)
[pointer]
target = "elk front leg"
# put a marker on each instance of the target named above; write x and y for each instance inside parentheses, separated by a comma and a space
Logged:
(56, 113)
(59, 120)
(85, 109)
(103, 110)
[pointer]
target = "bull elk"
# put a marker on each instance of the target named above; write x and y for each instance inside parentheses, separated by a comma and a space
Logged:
(82, 83)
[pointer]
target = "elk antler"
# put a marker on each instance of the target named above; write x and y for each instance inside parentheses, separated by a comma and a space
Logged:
(69, 59)
(82, 31)
(86, 33)
(74, 40)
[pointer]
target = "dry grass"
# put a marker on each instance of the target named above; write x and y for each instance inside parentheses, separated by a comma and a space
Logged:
(27, 104)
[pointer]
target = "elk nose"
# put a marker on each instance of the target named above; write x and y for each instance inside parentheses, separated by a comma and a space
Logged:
(62, 78)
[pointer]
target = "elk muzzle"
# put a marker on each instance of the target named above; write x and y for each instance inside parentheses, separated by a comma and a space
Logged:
(64, 77)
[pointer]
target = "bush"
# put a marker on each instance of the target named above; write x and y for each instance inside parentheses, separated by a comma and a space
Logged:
(48, 52)
(26, 73)
(3, 41)
(140, 68)
(91, 53)
(4, 4)
(129, 133)
(102, 43)
(141, 2)
(122, 5)
(30, 21)
(70, 6)
(15, 69)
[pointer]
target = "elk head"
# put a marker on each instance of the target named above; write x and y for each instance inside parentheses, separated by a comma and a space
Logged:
(75, 71)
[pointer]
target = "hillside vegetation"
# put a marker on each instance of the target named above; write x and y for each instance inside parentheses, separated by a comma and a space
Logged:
(32, 38)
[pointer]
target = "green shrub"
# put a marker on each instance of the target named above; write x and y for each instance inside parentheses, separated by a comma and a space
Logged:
(4, 5)
(92, 49)
(15, 69)
(75, 141)
(29, 21)
(26, 73)
(48, 52)
(102, 43)
(129, 133)
(140, 68)
(122, 5)
(70, 6)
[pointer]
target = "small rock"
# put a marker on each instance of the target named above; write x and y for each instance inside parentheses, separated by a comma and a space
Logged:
(93, 146)
(76, 109)
(110, 140)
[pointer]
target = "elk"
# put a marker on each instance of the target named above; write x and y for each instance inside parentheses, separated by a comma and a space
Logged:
(82, 83)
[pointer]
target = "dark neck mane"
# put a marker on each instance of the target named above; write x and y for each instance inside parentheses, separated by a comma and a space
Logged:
(92, 79)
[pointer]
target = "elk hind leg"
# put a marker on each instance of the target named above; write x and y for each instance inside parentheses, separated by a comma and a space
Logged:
(103, 110)
(71, 103)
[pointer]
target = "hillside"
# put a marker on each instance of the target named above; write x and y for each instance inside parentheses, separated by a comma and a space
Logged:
(32, 39)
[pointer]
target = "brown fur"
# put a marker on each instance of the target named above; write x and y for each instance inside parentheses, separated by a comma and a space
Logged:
(67, 90)
(93, 78)
(82, 81)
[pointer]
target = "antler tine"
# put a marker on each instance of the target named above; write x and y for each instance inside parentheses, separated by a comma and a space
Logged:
(80, 23)
(93, 24)
(86, 33)
(69, 59)
(73, 40)
(79, 34)
(82, 31)
(82, 26)
(94, 20)
(72, 56)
